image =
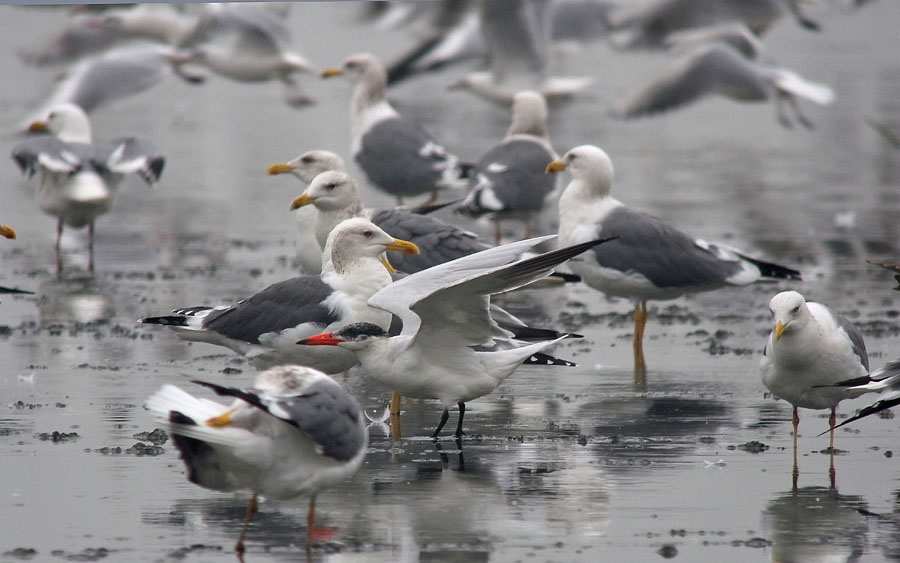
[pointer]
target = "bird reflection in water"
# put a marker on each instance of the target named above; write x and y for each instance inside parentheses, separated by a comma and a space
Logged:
(815, 524)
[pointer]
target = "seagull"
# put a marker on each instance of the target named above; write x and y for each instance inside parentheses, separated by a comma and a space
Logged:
(305, 168)
(509, 180)
(265, 326)
(396, 154)
(248, 43)
(650, 259)
(517, 34)
(76, 178)
(115, 74)
(718, 67)
(811, 348)
(336, 198)
(446, 317)
(294, 433)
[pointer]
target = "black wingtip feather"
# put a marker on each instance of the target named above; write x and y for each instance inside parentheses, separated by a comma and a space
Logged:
(542, 359)
(871, 409)
(169, 320)
(774, 271)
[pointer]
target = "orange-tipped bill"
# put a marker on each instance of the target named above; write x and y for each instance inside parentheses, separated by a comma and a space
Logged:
(555, 166)
(329, 72)
(320, 340)
(779, 329)
(7, 232)
(37, 126)
(223, 419)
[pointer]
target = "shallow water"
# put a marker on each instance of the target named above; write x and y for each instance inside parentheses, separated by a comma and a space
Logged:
(575, 464)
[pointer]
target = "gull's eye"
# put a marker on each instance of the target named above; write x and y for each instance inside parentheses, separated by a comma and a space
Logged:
(330, 187)
(307, 159)
(796, 309)
(368, 234)
(351, 65)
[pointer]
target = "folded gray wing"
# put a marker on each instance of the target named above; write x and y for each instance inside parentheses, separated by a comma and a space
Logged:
(856, 337)
(663, 254)
(49, 153)
(513, 174)
(438, 241)
(280, 306)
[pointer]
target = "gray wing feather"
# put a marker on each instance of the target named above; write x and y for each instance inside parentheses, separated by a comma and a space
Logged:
(390, 156)
(28, 153)
(280, 306)
(522, 185)
(437, 240)
(660, 252)
(330, 416)
(132, 154)
(856, 338)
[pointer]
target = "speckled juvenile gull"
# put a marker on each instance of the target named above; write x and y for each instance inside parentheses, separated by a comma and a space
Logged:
(810, 349)
(293, 434)
(509, 179)
(517, 34)
(650, 259)
(265, 327)
(446, 316)
(336, 198)
(885, 380)
(396, 154)
(719, 68)
(76, 179)
(305, 168)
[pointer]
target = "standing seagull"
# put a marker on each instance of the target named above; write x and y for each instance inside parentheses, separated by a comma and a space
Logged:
(397, 155)
(509, 180)
(77, 180)
(265, 327)
(293, 434)
(810, 349)
(446, 318)
(650, 259)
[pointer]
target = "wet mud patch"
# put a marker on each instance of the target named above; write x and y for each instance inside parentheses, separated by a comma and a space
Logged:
(88, 554)
(57, 437)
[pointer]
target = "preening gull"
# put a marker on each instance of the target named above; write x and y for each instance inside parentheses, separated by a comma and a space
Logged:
(720, 68)
(77, 179)
(650, 259)
(397, 155)
(336, 198)
(884, 380)
(509, 180)
(811, 348)
(305, 168)
(446, 317)
(517, 34)
(293, 434)
(265, 327)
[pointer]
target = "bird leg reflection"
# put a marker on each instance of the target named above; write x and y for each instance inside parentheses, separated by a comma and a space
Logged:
(91, 247)
(310, 523)
(251, 510)
(640, 321)
(59, 228)
(795, 473)
(832, 474)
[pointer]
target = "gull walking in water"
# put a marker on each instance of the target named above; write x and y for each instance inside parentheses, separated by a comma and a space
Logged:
(265, 327)
(509, 180)
(76, 178)
(811, 348)
(649, 259)
(293, 434)
(397, 155)
(445, 310)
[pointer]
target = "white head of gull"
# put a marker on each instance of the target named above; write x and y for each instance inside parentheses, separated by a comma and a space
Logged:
(650, 259)
(265, 326)
(293, 434)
